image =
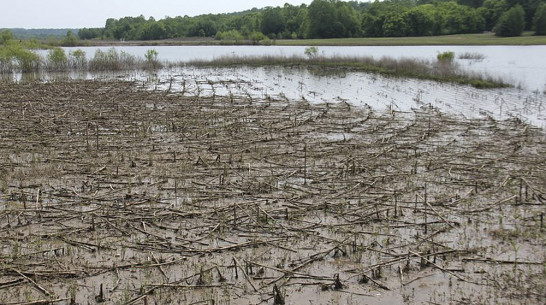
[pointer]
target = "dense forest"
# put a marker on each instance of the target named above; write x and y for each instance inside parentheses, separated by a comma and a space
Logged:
(339, 19)
(39, 33)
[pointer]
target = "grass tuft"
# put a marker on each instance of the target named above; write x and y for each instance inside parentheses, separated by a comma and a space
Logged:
(471, 56)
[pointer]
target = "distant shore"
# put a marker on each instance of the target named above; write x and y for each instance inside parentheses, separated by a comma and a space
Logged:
(463, 39)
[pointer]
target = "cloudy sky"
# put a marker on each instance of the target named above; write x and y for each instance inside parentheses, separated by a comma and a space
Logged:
(93, 13)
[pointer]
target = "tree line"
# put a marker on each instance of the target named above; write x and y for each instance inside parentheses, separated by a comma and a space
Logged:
(43, 34)
(339, 19)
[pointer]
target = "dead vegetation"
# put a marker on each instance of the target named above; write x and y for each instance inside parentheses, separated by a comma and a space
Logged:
(110, 193)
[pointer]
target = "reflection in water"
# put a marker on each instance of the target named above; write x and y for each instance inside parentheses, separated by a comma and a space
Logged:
(7, 77)
(30, 77)
(44, 77)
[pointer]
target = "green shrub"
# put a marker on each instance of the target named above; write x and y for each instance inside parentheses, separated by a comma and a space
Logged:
(28, 61)
(151, 55)
(232, 35)
(256, 37)
(78, 59)
(446, 57)
(6, 61)
(16, 56)
(151, 59)
(33, 44)
(267, 41)
(128, 61)
(57, 59)
(70, 39)
(111, 60)
(311, 52)
(6, 36)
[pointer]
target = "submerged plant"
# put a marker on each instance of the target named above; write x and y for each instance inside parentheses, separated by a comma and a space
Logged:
(111, 60)
(28, 61)
(57, 59)
(15, 56)
(151, 59)
(78, 59)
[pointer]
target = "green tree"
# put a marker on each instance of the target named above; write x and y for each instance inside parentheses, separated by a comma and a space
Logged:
(152, 30)
(326, 19)
(125, 28)
(421, 20)
(374, 17)
(459, 19)
(471, 3)
(395, 25)
(511, 23)
(273, 21)
(90, 33)
(332, 19)
(203, 26)
(371, 25)
(256, 37)
(530, 7)
(347, 16)
(491, 12)
(175, 27)
(295, 20)
(321, 19)
(6, 36)
(70, 39)
(247, 24)
(108, 31)
(539, 20)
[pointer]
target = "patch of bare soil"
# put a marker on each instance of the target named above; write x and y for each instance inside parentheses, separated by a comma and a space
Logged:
(113, 194)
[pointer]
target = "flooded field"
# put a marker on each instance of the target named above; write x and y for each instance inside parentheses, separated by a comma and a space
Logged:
(207, 190)
(521, 66)
(356, 88)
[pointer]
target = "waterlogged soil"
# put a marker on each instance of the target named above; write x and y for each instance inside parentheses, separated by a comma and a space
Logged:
(113, 193)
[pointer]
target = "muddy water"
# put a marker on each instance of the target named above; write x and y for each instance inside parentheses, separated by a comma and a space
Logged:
(174, 198)
(356, 88)
(359, 89)
(159, 220)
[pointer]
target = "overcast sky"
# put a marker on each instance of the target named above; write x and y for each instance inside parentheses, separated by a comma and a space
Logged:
(93, 13)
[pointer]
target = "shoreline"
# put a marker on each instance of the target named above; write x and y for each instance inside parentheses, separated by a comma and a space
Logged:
(484, 39)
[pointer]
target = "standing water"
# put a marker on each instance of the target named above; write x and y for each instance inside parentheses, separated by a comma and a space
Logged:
(521, 66)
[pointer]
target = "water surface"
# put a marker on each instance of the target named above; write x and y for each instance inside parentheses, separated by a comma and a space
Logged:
(523, 66)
